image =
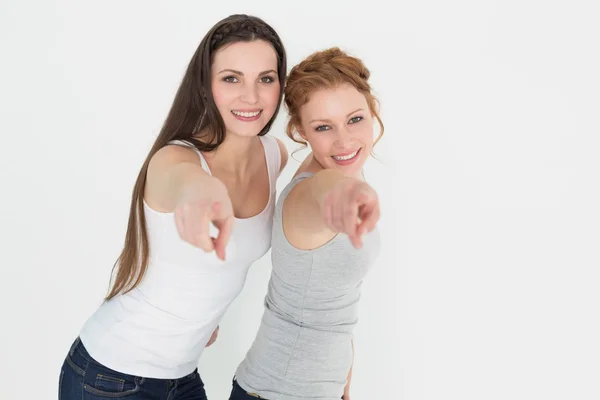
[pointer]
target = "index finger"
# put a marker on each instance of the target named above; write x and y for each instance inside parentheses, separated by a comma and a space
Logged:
(369, 217)
(197, 228)
(225, 228)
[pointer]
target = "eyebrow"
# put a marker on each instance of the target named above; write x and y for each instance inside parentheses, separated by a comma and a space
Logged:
(327, 120)
(242, 74)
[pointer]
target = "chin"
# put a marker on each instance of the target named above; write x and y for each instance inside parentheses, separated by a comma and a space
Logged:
(246, 129)
(351, 170)
(246, 132)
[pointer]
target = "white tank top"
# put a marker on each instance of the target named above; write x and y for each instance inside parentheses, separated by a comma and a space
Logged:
(160, 328)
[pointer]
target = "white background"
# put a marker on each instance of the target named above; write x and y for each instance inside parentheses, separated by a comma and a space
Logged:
(489, 175)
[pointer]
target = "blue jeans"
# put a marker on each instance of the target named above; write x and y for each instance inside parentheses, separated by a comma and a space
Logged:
(83, 378)
(238, 393)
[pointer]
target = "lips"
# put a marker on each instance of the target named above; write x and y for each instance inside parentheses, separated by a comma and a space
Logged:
(346, 158)
(246, 114)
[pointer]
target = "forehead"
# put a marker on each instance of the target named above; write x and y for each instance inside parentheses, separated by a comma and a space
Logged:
(247, 57)
(333, 103)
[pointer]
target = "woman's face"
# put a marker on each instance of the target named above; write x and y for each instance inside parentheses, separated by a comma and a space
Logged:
(245, 86)
(338, 125)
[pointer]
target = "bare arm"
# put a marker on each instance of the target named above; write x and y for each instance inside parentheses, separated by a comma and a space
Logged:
(347, 388)
(174, 173)
(330, 202)
(177, 183)
(305, 199)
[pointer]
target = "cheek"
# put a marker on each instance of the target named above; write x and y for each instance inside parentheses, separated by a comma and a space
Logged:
(320, 144)
(271, 94)
(222, 94)
(366, 135)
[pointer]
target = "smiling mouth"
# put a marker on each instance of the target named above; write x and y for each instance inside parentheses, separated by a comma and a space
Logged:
(347, 157)
(246, 114)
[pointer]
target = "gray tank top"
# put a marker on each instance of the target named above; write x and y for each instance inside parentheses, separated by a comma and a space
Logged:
(303, 347)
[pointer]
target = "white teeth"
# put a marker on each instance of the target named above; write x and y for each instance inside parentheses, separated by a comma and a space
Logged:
(246, 114)
(344, 158)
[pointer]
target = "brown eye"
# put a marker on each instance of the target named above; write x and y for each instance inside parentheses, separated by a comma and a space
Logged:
(267, 79)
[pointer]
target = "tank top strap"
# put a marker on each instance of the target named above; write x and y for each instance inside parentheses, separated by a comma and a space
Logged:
(272, 156)
(185, 143)
(271, 152)
(301, 176)
(288, 188)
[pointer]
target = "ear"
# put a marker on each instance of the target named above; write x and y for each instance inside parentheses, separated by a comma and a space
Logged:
(301, 133)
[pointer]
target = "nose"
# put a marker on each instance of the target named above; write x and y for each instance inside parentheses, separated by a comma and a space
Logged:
(343, 138)
(250, 94)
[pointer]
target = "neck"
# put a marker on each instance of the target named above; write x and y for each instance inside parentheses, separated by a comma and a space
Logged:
(234, 155)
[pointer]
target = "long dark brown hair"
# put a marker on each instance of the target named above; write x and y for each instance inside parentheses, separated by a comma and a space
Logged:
(193, 111)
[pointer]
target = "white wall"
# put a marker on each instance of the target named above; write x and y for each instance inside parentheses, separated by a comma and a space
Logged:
(489, 179)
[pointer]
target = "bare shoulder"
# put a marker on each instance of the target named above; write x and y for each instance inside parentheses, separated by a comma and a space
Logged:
(172, 154)
(284, 154)
(299, 210)
(299, 196)
(169, 169)
(303, 224)
(301, 192)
